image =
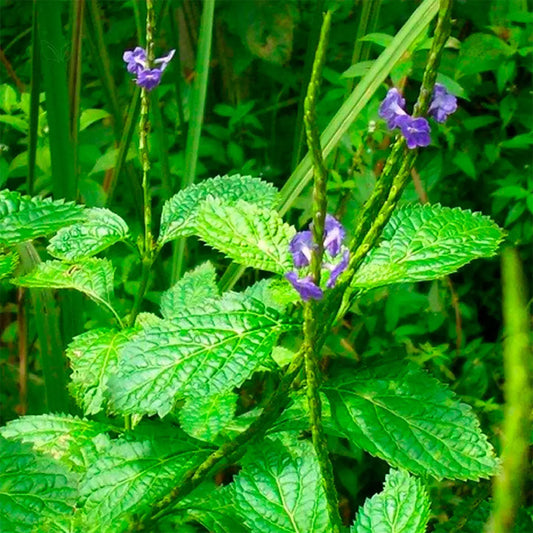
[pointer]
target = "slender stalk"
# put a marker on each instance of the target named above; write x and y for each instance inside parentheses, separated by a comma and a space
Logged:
(22, 334)
(197, 111)
(34, 101)
(509, 484)
(311, 319)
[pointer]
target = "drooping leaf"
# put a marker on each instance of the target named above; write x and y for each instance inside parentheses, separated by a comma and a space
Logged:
(128, 476)
(203, 417)
(402, 507)
(209, 351)
(94, 359)
(179, 213)
(250, 235)
(279, 489)
(102, 229)
(8, 263)
(395, 411)
(213, 507)
(193, 289)
(427, 242)
(64, 437)
(23, 218)
(32, 487)
(94, 277)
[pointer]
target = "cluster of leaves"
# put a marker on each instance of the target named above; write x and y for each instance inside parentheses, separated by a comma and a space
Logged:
(181, 368)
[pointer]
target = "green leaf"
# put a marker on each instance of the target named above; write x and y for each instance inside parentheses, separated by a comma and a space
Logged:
(193, 289)
(279, 490)
(397, 412)
(23, 218)
(32, 487)
(273, 292)
(481, 52)
(203, 417)
(102, 229)
(64, 437)
(179, 213)
(90, 116)
(427, 242)
(8, 263)
(128, 476)
(209, 351)
(94, 359)
(402, 507)
(94, 277)
(248, 234)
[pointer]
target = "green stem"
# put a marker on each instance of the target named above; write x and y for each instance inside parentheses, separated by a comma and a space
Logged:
(508, 485)
(311, 320)
(146, 266)
(34, 101)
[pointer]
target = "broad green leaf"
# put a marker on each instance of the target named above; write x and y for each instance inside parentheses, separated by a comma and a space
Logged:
(193, 289)
(481, 52)
(213, 507)
(8, 263)
(209, 351)
(102, 229)
(273, 292)
(23, 218)
(66, 438)
(203, 417)
(32, 487)
(180, 212)
(250, 235)
(279, 490)
(402, 507)
(395, 411)
(94, 277)
(427, 242)
(128, 476)
(90, 116)
(94, 359)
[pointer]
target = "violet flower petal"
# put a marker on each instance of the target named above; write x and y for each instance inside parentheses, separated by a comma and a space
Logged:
(415, 130)
(301, 247)
(165, 60)
(337, 270)
(334, 234)
(148, 78)
(306, 287)
(443, 103)
(392, 108)
(135, 59)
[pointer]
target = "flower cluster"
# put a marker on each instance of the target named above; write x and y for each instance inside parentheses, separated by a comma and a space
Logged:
(137, 63)
(334, 261)
(416, 130)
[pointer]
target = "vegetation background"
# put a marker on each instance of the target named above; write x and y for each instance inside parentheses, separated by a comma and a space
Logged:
(251, 123)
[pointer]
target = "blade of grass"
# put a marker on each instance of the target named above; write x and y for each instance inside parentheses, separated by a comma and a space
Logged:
(339, 124)
(197, 110)
(34, 101)
(51, 360)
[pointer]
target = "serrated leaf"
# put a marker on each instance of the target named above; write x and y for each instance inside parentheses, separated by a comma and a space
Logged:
(64, 437)
(395, 411)
(129, 476)
(23, 218)
(402, 507)
(209, 351)
(32, 487)
(273, 292)
(427, 242)
(8, 263)
(102, 229)
(250, 235)
(94, 277)
(279, 490)
(178, 218)
(203, 417)
(94, 359)
(213, 507)
(193, 289)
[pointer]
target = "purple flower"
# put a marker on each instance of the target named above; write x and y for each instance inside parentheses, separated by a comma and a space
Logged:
(337, 270)
(333, 235)
(148, 78)
(135, 59)
(305, 286)
(442, 104)
(301, 248)
(415, 130)
(392, 108)
(137, 63)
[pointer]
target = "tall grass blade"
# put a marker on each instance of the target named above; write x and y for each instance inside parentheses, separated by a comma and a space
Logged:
(34, 101)
(339, 124)
(197, 110)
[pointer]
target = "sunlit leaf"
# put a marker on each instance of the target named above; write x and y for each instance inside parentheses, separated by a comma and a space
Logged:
(8, 263)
